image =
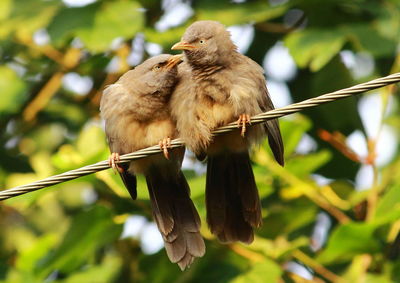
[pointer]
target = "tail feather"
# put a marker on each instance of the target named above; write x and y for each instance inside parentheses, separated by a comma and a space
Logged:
(233, 205)
(175, 215)
(129, 181)
(275, 140)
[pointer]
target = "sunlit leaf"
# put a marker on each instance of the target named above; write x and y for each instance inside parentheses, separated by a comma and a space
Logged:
(231, 14)
(303, 165)
(366, 38)
(349, 240)
(25, 17)
(265, 271)
(292, 132)
(105, 272)
(13, 91)
(89, 230)
(388, 202)
(314, 47)
(97, 25)
(28, 258)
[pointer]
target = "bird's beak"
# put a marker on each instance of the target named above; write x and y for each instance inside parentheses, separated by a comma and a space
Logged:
(183, 45)
(174, 60)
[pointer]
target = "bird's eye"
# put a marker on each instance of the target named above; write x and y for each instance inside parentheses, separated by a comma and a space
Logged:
(157, 67)
(201, 41)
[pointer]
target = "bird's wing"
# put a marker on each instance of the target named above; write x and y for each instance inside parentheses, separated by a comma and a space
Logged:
(265, 104)
(111, 110)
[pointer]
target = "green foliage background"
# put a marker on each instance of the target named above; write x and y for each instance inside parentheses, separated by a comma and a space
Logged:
(57, 235)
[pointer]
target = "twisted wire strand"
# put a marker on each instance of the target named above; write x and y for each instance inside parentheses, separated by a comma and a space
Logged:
(257, 119)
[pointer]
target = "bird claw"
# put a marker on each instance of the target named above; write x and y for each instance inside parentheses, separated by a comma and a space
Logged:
(112, 162)
(165, 144)
(242, 121)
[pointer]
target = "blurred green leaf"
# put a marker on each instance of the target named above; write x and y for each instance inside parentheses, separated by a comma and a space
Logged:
(24, 17)
(292, 132)
(89, 230)
(166, 38)
(90, 148)
(233, 14)
(265, 271)
(5, 9)
(91, 142)
(389, 16)
(14, 91)
(366, 38)
(28, 259)
(97, 25)
(105, 272)
(314, 47)
(304, 165)
(389, 202)
(348, 240)
(286, 219)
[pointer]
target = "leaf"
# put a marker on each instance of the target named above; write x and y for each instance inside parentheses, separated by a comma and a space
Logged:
(166, 38)
(24, 17)
(89, 230)
(348, 240)
(342, 188)
(304, 165)
(389, 16)
(28, 258)
(358, 270)
(367, 38)
(389, 202)
(342, 194)
(101, 273)
(13, 91)
(5, 9)
(292, 132)
(287, 219)
(265, 271)
(70, 20)
(314, 47)
(236, 14)
(91, 142)
(97, 25)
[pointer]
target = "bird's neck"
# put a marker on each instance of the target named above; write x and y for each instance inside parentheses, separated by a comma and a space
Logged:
(205, 71)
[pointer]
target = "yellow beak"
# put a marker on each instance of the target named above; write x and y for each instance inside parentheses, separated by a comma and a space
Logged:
(183, 45)
(174, 60)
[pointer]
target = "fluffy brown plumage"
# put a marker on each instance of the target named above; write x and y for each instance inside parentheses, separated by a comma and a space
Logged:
(217, 86)
(136, 116)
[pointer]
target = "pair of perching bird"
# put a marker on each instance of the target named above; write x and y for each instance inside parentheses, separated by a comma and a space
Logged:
(163, 99)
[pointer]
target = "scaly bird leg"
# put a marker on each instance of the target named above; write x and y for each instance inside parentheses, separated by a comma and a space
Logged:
(165, 144)
(112, 162)
(242, 121)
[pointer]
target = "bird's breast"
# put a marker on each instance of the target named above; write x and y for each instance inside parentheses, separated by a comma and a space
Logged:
(213, 102)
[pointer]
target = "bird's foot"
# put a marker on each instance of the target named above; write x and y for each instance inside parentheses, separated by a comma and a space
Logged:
(112, 162)
(165, 144)
(242, 121)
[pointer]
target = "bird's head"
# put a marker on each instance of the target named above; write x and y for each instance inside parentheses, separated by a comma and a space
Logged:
(206, 43)
(157, 74)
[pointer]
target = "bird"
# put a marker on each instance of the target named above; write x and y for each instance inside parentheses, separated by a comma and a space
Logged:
(218, 85)
(136, 115)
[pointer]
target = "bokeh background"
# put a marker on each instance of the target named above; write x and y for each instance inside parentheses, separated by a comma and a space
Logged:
(332, 214)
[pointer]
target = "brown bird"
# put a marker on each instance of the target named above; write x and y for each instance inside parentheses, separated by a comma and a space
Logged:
(218, 85)
(136, 116)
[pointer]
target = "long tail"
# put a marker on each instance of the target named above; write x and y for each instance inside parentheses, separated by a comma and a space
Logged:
(175, 215)
(129, 180)
(233, 204)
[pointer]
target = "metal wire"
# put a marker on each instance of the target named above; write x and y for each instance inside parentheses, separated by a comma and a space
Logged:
(257, 119)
